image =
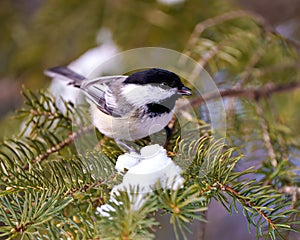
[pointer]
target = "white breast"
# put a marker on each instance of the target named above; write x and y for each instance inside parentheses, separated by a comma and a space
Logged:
(128, 128)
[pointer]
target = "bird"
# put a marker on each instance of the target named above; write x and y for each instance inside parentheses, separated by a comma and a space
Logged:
(128, 107)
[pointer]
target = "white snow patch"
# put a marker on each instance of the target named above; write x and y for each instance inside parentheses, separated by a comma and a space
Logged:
(144, 172)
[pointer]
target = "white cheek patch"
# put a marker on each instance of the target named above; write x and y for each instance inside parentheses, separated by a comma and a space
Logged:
(139, 95)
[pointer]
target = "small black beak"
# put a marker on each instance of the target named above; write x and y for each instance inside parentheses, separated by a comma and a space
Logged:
(185, 91)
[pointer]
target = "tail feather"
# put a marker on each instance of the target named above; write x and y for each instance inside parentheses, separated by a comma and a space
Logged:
(65, 73)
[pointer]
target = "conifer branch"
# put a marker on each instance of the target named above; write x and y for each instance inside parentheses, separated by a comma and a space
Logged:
(255, 58)
(250, 93)
(87, 186)
(265, 134)
(225, 188)
(203, 61)
(219, 19)
(44, 113)
(200, 27)
(67, 141)
(58, 199)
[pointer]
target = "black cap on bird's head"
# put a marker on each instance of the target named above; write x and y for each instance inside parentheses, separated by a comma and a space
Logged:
(160, 77)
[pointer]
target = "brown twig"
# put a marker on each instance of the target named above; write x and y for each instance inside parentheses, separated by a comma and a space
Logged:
(44, 113)
(246, 202)
(255, 58)
(200, 27)
(91, 185)
(246, 76)
(71, 138)
(280, 139)
(265, 134)
(251, 93)
(203, 61)
(208, 188)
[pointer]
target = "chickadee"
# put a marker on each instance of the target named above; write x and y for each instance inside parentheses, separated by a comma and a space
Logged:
(129, 107)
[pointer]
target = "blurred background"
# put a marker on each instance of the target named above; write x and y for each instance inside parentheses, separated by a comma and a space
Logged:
(38, 34)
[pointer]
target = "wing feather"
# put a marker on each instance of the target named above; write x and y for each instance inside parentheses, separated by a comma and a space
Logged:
(101, 92)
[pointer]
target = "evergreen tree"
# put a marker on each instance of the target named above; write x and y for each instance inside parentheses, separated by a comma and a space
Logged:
(50, 191)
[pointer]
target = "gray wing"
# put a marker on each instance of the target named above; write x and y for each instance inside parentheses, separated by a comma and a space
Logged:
(102, 91)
